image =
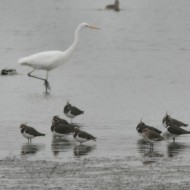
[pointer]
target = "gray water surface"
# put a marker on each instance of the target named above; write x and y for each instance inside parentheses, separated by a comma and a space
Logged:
(136, 67)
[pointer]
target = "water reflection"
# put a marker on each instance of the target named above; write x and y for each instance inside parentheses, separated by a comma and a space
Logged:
(29, 148)
(148, 154)
(152, 153)
(82, 150)
(173, 149)
(142, 145)
(60, 145)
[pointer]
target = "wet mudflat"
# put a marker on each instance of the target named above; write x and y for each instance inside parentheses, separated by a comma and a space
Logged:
(94, 173)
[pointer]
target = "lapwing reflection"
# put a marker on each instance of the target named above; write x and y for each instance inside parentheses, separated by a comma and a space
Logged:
(31, 148)
(148, 154)
(61, 145)
(82, 150)
(174, 149)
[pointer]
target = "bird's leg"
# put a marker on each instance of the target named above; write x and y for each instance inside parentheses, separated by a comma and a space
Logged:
(46, 83)
(173, 139)
(151, 146)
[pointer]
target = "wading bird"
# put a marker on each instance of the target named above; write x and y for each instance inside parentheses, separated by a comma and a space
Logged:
(62, 129)
(82, 136)
(151, 136)
(175, 131)
(142, 126)
(29, 132)
(167, 121)
(71, 111)
(49, 60)
(57, 120)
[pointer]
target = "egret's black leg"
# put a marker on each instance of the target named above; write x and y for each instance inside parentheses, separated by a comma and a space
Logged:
(46, 83)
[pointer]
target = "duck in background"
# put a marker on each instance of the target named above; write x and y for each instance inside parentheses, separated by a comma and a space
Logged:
(8, 72)
(114, 6)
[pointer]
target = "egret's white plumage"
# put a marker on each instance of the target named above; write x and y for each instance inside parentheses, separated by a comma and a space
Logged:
(49, 60)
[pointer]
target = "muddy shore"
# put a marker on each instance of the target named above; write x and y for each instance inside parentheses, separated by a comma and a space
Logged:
(102, 173)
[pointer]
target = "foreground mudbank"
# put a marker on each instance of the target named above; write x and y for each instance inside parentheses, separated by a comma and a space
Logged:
(93, 174)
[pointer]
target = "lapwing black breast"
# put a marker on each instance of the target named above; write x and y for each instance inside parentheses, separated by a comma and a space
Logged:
(142, 126)
(29, 132)
(82, 136)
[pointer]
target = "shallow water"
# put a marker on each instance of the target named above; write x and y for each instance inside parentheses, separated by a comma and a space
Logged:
(136, 67)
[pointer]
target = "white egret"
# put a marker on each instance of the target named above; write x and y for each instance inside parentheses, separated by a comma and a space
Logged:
(49, 60)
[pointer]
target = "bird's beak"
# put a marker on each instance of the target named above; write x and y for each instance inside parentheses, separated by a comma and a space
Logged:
(93, 27)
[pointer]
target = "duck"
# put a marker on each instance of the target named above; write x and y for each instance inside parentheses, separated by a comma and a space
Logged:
(8, 72)
(114, 6)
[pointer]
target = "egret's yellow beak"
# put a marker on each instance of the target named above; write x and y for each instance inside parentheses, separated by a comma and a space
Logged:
(93, 27)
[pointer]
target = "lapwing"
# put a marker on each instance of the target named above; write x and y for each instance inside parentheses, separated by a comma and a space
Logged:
(175, 131)
(72, 111)
(29, 132)
(167, 121)
(62, 129)
(56, 120)
(142, 126)
(82, 136)
(151, 136)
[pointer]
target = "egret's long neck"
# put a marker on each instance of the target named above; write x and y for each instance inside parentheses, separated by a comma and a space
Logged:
(69, 51)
